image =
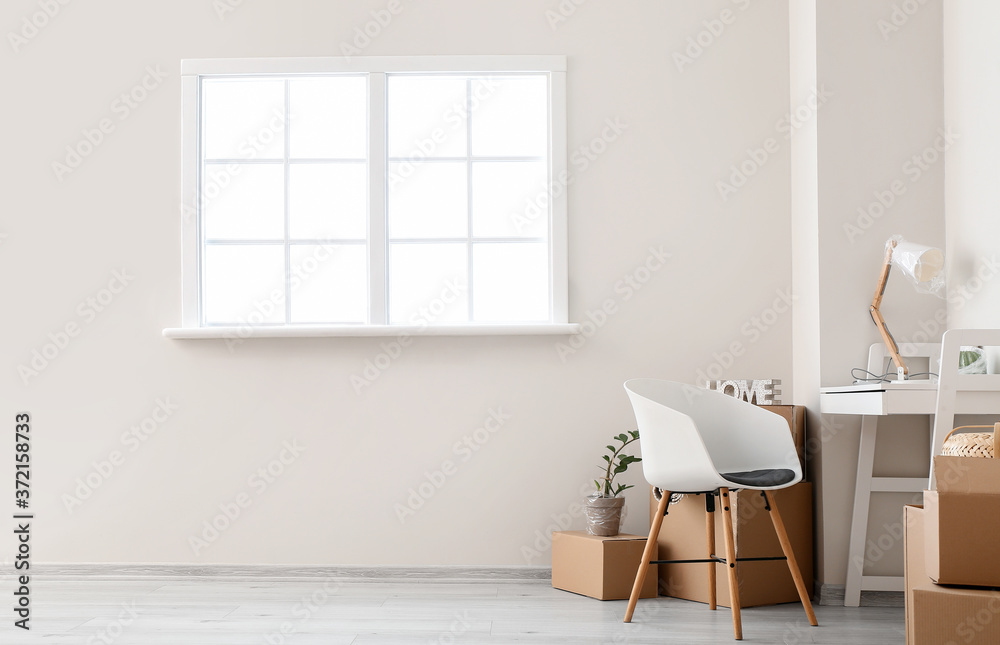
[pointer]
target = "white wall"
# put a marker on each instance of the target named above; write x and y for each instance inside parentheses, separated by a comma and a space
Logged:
(972, 101)
(362, 453)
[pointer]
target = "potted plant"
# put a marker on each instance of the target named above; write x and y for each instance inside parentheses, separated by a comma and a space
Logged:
(604, 508)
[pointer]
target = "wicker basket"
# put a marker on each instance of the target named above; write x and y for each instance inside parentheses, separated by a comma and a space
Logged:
(970, 444)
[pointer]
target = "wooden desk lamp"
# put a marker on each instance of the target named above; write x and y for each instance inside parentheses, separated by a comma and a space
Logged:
(924, 265)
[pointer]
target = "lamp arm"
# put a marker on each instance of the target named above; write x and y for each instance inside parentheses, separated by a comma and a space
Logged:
(901, 370)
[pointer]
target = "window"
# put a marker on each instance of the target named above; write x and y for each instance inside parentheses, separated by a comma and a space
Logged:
(368, 195)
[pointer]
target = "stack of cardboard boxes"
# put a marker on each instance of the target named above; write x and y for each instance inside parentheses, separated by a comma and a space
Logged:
(952, 552)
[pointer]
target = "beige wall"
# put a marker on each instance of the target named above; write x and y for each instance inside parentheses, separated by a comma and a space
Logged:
(972, 101)
(334, 503)
(884, 71)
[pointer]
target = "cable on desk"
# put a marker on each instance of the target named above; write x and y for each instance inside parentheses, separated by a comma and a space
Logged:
(881, 378)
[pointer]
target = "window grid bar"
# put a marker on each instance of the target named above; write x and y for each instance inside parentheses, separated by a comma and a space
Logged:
(278, 160)
(472, 239)
(293, 242)
(468, 179)
(460, 159)
(288, 172)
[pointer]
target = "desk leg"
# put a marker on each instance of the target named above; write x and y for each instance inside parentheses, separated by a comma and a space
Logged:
(862, 500)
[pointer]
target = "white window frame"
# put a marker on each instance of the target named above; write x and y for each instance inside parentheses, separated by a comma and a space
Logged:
(377, 68)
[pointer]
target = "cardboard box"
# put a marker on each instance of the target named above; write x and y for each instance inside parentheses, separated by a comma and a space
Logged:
(796, 417)
(962, 519)
(939, 615)
(682, 537)
(599, 567)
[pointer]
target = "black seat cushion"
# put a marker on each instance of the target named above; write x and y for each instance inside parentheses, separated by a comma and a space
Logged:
(765, 478)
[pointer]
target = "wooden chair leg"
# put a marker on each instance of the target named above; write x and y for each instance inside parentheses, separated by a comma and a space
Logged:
(647, 555)
(734, 583)
(710, 541)
(793, 565)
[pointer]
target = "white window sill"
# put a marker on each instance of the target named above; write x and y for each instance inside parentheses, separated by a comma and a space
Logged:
(318, 331)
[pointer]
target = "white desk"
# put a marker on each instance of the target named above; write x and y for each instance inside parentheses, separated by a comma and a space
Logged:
(871, 401)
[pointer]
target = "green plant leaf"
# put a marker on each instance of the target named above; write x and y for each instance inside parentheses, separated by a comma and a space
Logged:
(621, 469)
(607, 458)
(622, 437)
(634, 433)
(623, 488)
(611, 448)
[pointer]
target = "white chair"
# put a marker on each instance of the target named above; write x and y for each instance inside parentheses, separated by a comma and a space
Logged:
(697, 441)
(962, 393)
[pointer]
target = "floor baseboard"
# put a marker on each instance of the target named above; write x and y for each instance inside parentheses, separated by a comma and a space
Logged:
(834, 595)
(295, 572)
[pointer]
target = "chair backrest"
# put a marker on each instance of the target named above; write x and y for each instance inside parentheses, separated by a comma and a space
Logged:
(962, 393)
(689, 435)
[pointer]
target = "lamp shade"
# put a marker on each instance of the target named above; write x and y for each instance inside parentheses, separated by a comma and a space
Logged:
(923, 265)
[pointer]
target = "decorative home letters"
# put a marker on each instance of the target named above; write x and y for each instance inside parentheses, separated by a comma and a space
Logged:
(763, 392)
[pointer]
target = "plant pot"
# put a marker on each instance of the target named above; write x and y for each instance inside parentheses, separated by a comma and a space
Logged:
(604, 515)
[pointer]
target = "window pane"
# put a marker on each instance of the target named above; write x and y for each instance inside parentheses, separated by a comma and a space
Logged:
(510, 282)
(245, 284)
(244, 119)
(426, 116)
(428, 284)
(510, 116)
(329, 283)
(244, 201)
(510, 199)
(329, 117)
(328, 201)
(428, 200)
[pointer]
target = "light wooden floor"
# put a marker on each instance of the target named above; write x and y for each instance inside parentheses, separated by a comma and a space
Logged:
(190, 611)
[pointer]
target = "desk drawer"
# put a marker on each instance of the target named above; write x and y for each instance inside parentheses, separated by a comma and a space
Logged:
(852, 403)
